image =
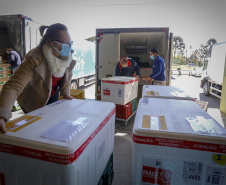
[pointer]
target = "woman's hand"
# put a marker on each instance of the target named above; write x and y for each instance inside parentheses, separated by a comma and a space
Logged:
(67, 97)
(2, 125)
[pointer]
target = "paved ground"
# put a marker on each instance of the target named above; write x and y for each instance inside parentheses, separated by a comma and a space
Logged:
(123, 137)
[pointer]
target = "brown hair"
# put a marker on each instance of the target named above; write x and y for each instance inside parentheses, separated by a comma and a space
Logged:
(52, 33)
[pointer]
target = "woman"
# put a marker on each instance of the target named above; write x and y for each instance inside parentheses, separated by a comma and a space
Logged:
(46, 71)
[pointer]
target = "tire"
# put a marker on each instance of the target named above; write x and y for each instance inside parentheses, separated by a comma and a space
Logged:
(74, 85)
(206, 88)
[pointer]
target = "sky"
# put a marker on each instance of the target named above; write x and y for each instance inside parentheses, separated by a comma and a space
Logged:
(196, 21)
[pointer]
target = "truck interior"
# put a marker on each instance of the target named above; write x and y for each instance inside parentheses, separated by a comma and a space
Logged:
(135, 43)
(10, 34)
(4, 39)
(138, 45)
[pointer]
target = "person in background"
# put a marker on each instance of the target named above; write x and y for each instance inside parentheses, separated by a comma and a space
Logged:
(127, 67)
(158, 75)
(46, 71)
(14, 58)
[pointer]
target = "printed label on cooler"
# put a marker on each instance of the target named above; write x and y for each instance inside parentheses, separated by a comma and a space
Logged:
(215, 176)
(106, 91)
(219, 159)
(192, 173)
(21, 122)
(145, 100)
(120, 93)
(156, 176)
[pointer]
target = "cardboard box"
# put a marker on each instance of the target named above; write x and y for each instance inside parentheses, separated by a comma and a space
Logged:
(5, 67)
(8, 72)
(6, 79)
(175, 142)
(76, 93)
(3, 74)
(2, 81)
(68, 142)
(119, 89)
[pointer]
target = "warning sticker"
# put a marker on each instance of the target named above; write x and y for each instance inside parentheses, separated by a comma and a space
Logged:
(154, 122)
(152, 93)
(192, 173)
(219, 159)
(156, 176)
(215, 176)
(21, 122)
(106, 91)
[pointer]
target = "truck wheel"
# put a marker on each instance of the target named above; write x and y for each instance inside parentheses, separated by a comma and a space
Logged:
(206, 88)
(74, 85)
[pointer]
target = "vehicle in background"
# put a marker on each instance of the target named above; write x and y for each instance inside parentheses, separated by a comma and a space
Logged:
(191, 65)
(196, 71)
(84, 70)
(212, 83)
(18, 31)
(115, 43)
(23, 34)
(205, 67)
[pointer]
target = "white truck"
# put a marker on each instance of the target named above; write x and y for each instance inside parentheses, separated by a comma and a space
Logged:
(213, 80)
(115, 43)
(23, 34)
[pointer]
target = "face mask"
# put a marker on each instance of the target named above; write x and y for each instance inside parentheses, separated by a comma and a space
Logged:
(8, 52)
(152, 57)
(66, 49)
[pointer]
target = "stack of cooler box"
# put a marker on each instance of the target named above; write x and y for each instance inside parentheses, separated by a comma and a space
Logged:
(175, 142)
(122, 91)
(5, 72)
(69, 142)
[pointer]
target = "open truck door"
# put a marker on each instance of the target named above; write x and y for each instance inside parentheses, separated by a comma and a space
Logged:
(107, 50)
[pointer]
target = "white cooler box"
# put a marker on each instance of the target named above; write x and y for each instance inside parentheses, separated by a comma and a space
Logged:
(119, 90)
(68, 142)
(175, 142)
(157, 91)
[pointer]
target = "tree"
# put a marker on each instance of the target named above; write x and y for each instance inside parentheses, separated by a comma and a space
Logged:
(205, 50)
(179, 45)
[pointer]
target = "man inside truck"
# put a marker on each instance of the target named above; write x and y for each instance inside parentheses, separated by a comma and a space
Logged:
(127, 67)
(13, 58)
(158, 75)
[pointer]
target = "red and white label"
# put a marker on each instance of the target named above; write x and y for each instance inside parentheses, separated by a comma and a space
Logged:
(156, 175)
(177, 143)
(118, 82)
(106, 92)
(53, 157)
